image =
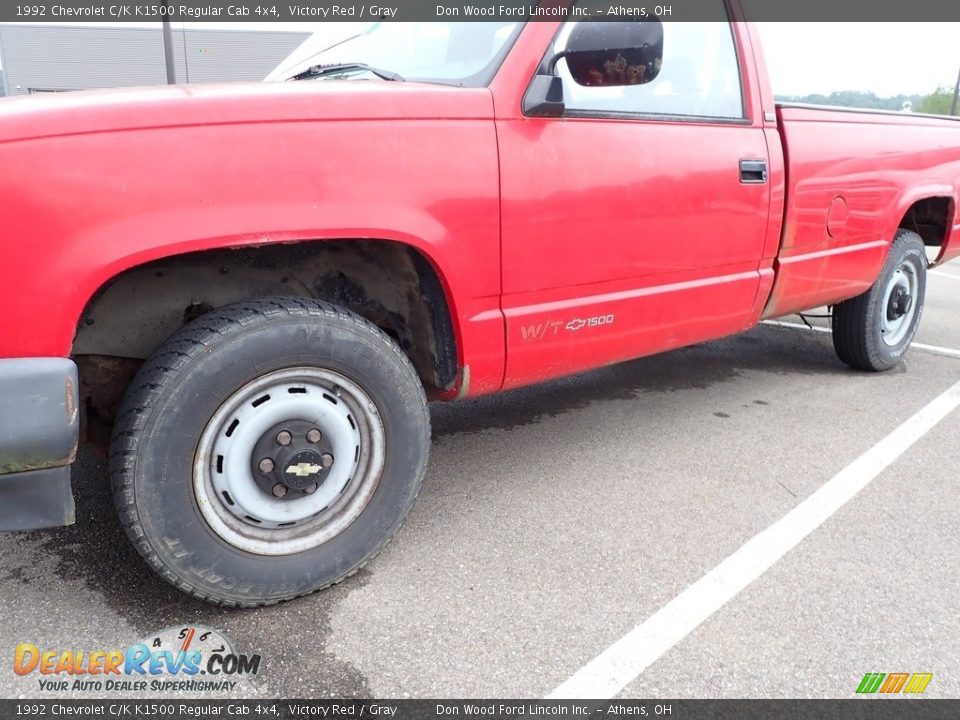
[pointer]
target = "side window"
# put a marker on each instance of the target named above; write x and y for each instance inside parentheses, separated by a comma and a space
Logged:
(685, 69)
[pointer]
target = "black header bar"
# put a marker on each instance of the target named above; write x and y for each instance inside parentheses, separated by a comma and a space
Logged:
(107, 11)
(176, 709)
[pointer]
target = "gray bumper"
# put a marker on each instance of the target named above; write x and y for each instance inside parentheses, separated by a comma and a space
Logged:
(39, 429)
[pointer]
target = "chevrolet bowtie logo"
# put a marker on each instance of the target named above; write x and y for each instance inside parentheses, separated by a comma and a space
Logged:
(303, 469)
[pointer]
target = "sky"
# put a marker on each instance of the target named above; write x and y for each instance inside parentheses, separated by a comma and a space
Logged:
(884, 58)
(804, 58)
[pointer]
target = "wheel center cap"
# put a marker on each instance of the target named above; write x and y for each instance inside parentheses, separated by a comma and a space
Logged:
(302, 470)
(900, 304)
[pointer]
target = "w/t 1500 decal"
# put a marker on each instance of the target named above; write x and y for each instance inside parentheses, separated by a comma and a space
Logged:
(541, 331)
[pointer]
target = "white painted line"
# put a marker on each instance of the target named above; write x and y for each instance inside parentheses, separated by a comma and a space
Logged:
(936, 349)
(617, 666)
(933, 349)
(943, 273)
(798, 326)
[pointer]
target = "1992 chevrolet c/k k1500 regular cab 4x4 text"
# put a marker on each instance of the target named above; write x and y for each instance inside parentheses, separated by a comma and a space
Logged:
(258, 286)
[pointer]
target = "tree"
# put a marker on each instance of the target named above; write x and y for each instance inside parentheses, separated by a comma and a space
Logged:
(854, 99)
(936, 103)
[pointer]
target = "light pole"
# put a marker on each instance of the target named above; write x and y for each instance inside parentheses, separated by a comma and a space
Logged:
(168, 44)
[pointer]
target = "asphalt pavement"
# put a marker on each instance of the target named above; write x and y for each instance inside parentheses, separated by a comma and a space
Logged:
(556, 518)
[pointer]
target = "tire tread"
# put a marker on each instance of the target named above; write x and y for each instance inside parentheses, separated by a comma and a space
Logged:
(162, 369)
(854, 319)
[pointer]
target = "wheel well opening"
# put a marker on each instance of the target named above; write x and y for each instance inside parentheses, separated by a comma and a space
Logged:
(390, 284)
(931, 219)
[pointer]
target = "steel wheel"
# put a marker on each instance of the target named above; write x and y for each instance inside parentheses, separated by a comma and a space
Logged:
(899, 306)
(269, 449)
(289, 461)
(874, 330)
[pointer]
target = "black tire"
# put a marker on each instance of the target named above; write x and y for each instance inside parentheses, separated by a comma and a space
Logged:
(859, 335)
(181, 387)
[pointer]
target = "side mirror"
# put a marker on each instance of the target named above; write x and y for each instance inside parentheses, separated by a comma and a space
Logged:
(598, 53)
(613, 53)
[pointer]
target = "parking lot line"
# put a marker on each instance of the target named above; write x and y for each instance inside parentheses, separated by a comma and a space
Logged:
(619, 664)
(944, 273)
(934, 349)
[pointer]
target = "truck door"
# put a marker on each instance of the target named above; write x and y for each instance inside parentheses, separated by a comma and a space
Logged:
(635, 222)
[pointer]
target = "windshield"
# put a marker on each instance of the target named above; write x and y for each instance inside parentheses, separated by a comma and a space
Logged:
(464, 53)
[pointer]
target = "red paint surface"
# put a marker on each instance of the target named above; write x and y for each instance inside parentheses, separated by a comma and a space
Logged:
(534, 225)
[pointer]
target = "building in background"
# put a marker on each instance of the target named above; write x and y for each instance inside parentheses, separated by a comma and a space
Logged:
(55, 58)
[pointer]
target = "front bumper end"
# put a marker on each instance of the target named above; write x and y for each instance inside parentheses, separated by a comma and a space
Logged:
(39, 431)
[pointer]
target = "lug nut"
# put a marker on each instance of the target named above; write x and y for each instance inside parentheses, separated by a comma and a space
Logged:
(313, 436)
(279, 490)
(266, 466)
(284, 438)
(326, 460)
(310, 489)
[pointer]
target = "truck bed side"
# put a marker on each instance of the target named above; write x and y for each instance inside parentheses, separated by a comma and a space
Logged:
(853, 178)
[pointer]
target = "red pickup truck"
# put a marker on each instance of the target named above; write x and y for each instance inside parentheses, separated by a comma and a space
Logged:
(250, 290)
